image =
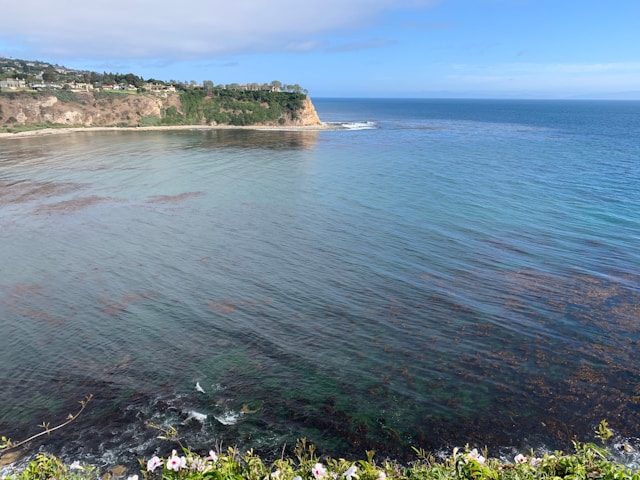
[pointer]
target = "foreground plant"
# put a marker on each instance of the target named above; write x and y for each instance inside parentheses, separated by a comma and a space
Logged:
(48, 467)
(233, 465)
(588, 462)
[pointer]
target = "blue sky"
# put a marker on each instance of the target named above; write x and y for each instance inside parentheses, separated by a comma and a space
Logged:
(347, 48)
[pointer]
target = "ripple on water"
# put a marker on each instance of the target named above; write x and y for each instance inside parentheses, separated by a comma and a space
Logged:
(370, 289)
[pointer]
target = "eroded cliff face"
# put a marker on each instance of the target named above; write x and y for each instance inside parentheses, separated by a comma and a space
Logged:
(26, 109)
(308, 116)
(109, 110)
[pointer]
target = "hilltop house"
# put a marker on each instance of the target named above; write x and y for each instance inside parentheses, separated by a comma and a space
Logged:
(46, 85)
(157, 87)
(13, 83)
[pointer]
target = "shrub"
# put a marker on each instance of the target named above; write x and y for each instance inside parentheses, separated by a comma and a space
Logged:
(150, 121)
(239, 107)
(172, 117)
(65, 96)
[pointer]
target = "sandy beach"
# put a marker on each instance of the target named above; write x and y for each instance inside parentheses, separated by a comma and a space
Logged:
(60, 131)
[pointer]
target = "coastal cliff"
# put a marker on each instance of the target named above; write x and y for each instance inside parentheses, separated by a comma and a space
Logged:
(308, 115)
(86, 109)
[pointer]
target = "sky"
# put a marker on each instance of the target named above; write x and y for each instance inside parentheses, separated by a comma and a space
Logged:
(554, 49)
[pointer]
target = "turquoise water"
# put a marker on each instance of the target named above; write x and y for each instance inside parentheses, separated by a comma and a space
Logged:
(429, 273)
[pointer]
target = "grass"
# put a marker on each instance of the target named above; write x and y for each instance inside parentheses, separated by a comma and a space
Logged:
(113, 93)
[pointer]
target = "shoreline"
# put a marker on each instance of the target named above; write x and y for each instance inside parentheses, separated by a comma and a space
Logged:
(68, 130)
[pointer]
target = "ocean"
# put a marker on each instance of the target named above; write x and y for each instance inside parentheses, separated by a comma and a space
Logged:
(427, 273)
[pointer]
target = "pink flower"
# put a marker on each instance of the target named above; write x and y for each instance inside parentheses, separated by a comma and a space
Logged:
(212, 456)
(153, 463)
(319, 471)
(175, 462)
(520, 458)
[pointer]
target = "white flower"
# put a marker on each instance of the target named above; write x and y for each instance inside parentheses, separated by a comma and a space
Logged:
(175, 462)
(319, 471)
(197, 464)
(474, 455)
(132, 477)
(382, 476)
(275, 475)
(297, 477)
(351, 472)
(76, 466)
(212, 456)
(520, 458)
(153, 463)
(535, 461)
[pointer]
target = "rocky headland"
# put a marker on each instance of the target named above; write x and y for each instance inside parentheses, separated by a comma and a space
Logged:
(26, 111)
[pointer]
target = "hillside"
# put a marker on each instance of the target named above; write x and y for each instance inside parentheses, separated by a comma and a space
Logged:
(37, 94)
(91, 109)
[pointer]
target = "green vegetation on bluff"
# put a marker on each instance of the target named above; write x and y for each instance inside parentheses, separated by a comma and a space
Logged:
(234, 107)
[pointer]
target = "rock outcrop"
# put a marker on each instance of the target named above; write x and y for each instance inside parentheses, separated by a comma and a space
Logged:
(308, 116)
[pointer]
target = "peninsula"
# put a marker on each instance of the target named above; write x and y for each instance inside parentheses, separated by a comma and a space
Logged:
(36, 95)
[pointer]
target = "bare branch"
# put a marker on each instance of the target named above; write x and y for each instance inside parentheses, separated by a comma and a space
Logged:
(8, 444)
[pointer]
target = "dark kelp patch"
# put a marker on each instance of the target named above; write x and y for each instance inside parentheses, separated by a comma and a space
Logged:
(23, 191)
(173, 198)
(69, 206)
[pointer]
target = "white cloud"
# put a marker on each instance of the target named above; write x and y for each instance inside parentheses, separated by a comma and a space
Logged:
(182, 30)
